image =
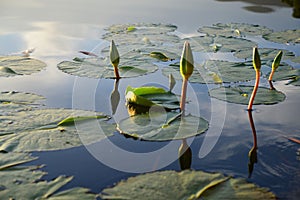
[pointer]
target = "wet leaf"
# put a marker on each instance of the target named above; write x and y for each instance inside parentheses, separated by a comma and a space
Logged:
(215, 72)
(241, 95)
(52, 129)
(162, 126)
(186, 184)
(287, 36)
(234, 30)
(159, 55)
(18, 65)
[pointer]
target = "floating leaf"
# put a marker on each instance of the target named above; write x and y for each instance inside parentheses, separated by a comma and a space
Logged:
(162, 126)
(19, 97)
(186, 184)
(215, 72)
(156, 34)
(241, 95)
(234, 30)
(149, 96)
(131, 65)
(21, 182)
(266, 54)
(287, 36)
(18, 65)
(219, 44)
(51, 129)
(159, 55)
(296, 59)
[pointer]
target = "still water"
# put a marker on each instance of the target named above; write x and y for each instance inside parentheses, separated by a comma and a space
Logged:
(59, 29)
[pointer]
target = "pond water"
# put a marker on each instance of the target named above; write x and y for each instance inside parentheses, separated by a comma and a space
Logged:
(59, 29)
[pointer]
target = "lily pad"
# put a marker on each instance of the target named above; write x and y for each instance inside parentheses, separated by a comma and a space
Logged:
(51, 129)
(149, 96)
(186, 184)
(296, 59)
(241, 95)
(19, 97)
(131, 65)
(18, 65)
(144, 34)
(287, 36)
(266, 54)
(8, 160)
(219, 44)
(162, 126)
(235, 30)
(215, 72)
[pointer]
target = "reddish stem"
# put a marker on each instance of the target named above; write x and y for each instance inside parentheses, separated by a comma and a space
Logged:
(254, 90)
(270, 80)
(116, 72)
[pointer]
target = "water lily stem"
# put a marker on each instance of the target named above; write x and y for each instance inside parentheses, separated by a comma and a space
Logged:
(116, 70)
(254, 90)
(183, 95)
(270, 80)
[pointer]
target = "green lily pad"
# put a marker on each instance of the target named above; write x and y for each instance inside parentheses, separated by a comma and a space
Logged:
(8, 160)
(149, 96)
(186, 184)
(144, 34)
(51, 129)
(287, 36)
(215, 72)
(131, 65)
(18, 65)
(266, 54)
(219, 44)
(241, 95)
(23, 182)
(19, 97)
(296, 59)
(295, 81)
(234, 30)
(158, 126)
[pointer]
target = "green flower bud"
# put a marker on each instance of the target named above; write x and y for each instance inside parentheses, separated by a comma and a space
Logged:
(256, 59)
(186, 61)
(114, 54)
(276, 61)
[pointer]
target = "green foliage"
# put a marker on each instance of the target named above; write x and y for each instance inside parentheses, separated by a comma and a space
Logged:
(18, 65)
(186, 184)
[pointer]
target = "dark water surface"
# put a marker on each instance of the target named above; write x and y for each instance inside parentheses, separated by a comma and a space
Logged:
(59, 29)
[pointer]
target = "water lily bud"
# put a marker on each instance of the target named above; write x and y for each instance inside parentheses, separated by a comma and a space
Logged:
(186, 61)
(114, 54)
(276, 61)
(256, 59)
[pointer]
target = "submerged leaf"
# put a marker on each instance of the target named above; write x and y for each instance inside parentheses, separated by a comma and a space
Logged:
(162, 126)
(241, 95)
(186, 184)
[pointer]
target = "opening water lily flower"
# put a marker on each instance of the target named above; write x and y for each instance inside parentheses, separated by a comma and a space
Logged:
(186, 70)
(257, 65)
(114, 58)
(275, 65)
